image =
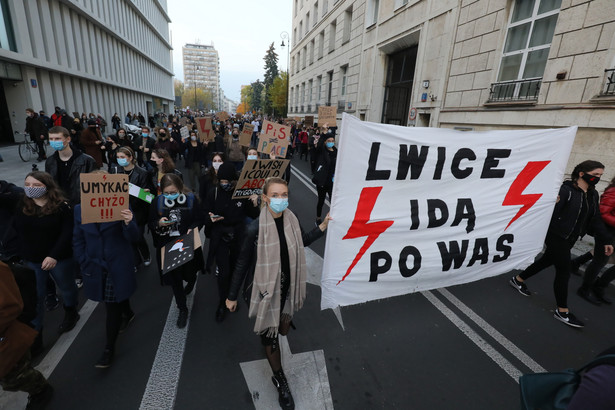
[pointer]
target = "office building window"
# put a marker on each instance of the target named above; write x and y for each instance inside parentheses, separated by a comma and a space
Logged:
(310, 90)
(315, 14)
(312, 46)
(321, 44)
(347, 26)
(325, 5)
(318, 87)
(372, 12)
(343, 81)
(307, 22)
(399, 3)
(332, 30)
(526, 49)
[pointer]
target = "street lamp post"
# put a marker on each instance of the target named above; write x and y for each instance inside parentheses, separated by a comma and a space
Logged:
(196, 105)
(285, 36)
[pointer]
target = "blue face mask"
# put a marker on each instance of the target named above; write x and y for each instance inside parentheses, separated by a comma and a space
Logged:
(144, 134)
(122, 162)
(56, 145)
(171, 197)
(278, 205)
(252, 156)
(227, 186)
(330, 144)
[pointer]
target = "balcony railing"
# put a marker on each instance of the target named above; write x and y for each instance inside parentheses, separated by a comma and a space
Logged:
(517, 90)
(610, 82)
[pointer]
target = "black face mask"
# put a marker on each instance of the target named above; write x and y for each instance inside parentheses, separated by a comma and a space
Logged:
(590, 179)
(163, 136)
(153, 163)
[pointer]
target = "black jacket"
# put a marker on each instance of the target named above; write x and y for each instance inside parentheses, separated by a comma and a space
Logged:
(36, 127)
(568, 208)
(247, 258)
(325, 166)
(82, 164)
(140, 178)
(10, 196)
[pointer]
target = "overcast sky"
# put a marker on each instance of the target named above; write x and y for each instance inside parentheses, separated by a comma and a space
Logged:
(241, 31)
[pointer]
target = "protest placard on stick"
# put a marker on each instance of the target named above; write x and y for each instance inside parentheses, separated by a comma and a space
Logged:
(254, 174)
(103, 197)
(274, 139)
(246, 135)
(327, 115)
(206, 132)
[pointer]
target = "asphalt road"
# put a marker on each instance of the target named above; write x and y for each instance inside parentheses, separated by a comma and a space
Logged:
(457, 348)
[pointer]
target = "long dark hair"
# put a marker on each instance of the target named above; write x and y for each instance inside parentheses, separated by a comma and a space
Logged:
(585, 167)
(211, 172)
(167, 165)
(172, 179)
(54, 195)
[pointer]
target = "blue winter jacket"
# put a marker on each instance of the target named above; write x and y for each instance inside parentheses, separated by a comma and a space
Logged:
(105, 247)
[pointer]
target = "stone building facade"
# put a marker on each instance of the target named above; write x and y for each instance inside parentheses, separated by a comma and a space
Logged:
(84, 56)
(465, 64)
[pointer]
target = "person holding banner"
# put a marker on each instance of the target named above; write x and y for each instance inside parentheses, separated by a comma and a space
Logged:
(173, 213)
(163, 164)
(325, 171)
(108, 271)
(127, 164)
(576, 213)
(273, 255)
(225, 218)
(44, 227)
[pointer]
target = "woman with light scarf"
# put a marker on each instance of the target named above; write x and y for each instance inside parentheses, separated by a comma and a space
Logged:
(277, 264)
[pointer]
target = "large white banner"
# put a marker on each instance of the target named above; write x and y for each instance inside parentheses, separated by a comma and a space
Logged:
(422, 208)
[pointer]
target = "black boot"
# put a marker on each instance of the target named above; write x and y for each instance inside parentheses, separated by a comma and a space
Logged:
(71, 316)
(220, 312)
(182, 318)
(599, 294)
(286, 399)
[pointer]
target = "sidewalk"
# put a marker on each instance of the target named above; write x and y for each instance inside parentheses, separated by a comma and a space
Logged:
(13, 169)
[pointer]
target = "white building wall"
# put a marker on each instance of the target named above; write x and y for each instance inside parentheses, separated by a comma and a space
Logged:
(85, 54)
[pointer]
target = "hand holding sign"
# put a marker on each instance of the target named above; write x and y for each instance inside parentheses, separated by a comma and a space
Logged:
(206, 132)
(274, 138)
(103, 197)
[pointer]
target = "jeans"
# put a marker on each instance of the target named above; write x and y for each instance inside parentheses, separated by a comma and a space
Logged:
(63, 275)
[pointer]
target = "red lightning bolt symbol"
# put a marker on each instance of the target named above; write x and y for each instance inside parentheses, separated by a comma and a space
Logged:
(515, 195)
(361, 227)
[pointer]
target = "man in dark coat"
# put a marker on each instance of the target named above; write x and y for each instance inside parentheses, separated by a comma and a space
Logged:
(38, 132)
(67, 163)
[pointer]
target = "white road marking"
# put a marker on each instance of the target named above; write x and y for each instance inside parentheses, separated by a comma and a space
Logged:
(491, 331)
(481, 343)
(307, 182)
(9, 400)
(306, 374)
(161, 388)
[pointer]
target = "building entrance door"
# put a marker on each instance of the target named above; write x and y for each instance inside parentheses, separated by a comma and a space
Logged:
(6, 129)
(398, 91)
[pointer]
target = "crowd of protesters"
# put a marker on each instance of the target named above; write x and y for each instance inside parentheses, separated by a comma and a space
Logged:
(255, 245)
(43, 236)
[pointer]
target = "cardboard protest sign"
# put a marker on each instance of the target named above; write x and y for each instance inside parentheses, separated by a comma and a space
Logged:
(254, 174)
(223, 116)
(421, 208)
(140, 193)
(238, 116)
(206, 132)
(327, 115)
(246, 135)
(184, 132)
(179, 251)
(103, 197)
(274, 138)
(309, 120)
(297, 119)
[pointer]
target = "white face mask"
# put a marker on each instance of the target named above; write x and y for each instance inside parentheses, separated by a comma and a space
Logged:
(193, 138)
(216, 165)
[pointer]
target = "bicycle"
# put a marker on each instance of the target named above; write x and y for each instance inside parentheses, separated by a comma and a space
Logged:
(28, 148)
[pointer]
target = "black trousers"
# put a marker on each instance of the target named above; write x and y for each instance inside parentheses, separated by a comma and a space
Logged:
(557, 253)
(593, 269)
(322, 194)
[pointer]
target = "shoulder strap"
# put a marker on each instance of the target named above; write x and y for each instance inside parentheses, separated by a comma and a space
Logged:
(606, 359)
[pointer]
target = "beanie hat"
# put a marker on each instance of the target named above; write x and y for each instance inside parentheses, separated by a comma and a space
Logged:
(227, 171)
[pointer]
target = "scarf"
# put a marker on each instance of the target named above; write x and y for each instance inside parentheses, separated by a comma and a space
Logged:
(266, 290)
